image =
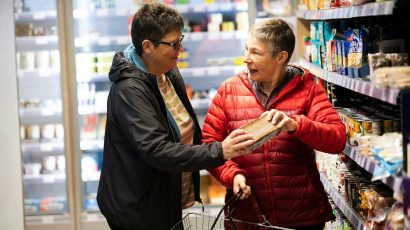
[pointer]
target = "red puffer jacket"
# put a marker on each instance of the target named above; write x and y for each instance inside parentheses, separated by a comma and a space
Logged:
(282, 172)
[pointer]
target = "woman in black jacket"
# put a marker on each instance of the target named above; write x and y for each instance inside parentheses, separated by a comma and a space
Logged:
(152, 140)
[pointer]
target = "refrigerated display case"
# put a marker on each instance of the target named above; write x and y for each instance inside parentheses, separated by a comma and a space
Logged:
(41, 117)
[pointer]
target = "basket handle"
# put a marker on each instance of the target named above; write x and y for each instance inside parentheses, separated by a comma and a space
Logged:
(258, 203)
(230, 202)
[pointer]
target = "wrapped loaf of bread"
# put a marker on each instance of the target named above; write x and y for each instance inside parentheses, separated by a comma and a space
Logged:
(261, 130)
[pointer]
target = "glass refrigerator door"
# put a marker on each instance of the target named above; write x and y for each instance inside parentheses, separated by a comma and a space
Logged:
(42, 131)
(100, 29)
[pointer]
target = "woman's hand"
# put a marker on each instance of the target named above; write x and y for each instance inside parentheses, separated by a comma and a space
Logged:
(239, 182)
(281, 120)
(238, 143)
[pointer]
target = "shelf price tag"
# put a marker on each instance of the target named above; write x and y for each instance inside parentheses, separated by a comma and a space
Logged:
(49, 179)
(227, 35)
(200, 8)
(213, 71)
(212, 8)
(198, 72)
(46, 147)
(225, 7)
(39, 16)
(44, 73)
(42, 40)
(47, 219)
(123, 40)
(47, 112)
(182, 8)
(196, 36)
(213, 35)
(92, 217)
(104, 41)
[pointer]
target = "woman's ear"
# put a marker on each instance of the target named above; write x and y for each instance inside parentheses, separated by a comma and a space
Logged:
(282, 57)
(147, 46)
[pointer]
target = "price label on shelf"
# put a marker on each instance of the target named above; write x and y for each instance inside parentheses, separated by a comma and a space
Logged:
(92, 217)
(46, 219)
(198, 72)
(182, 8)
(200, 8)
(47, 112)
(213, 35)
(42, 40)
(227, 35)
(212, 8)
(39, 16)
(196, 36)
(44, 73)
(104, 41)
(225, 7)
(46, 147)
(213, 71)
(123, 40)
(49, 179)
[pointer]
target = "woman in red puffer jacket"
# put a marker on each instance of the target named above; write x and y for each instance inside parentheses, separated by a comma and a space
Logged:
(282, 172)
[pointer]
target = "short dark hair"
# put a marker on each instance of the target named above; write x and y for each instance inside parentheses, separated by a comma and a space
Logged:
(153, 21)
(277, 33)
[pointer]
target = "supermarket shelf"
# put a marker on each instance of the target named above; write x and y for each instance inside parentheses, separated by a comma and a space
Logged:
(91, 109)
(27, 16)
(58, 146)
(93, 221)
(357, 85)
(101, 13)
(37, 42)
(40, 116)
(365, 10)
(101, 41)
(38, 74)
(197, 77)
(60, 222)
(210, 8)
(43, 147)
(92, 145)
(371, 165)
(44, 179)
(190, 37)
(217, 36)
(340, 201)
(197, 104)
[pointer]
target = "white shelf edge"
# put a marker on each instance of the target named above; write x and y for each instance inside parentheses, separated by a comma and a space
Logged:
(370, 166)
(361, 86)
(365, 10)
(339, 200)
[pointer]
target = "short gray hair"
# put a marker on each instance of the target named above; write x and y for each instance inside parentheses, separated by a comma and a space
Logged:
(277, 33)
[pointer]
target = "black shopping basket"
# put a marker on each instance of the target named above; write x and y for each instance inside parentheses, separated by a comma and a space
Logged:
(196, 221)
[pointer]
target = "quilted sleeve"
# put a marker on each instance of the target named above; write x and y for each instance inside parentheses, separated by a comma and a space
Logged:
(321, 127)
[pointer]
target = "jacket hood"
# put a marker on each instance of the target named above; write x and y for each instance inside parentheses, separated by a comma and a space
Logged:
(121, 68)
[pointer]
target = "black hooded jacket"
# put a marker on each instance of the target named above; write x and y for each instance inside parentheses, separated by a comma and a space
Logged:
(140, 183)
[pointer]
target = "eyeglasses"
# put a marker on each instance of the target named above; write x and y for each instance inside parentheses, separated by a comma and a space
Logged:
(176, 45)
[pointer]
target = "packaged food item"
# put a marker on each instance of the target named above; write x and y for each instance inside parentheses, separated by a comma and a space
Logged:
(261, 130)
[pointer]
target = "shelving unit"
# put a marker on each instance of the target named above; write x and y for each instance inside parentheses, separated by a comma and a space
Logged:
(371, 166)
(344, 206)
(365, 10)
(363, 86)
